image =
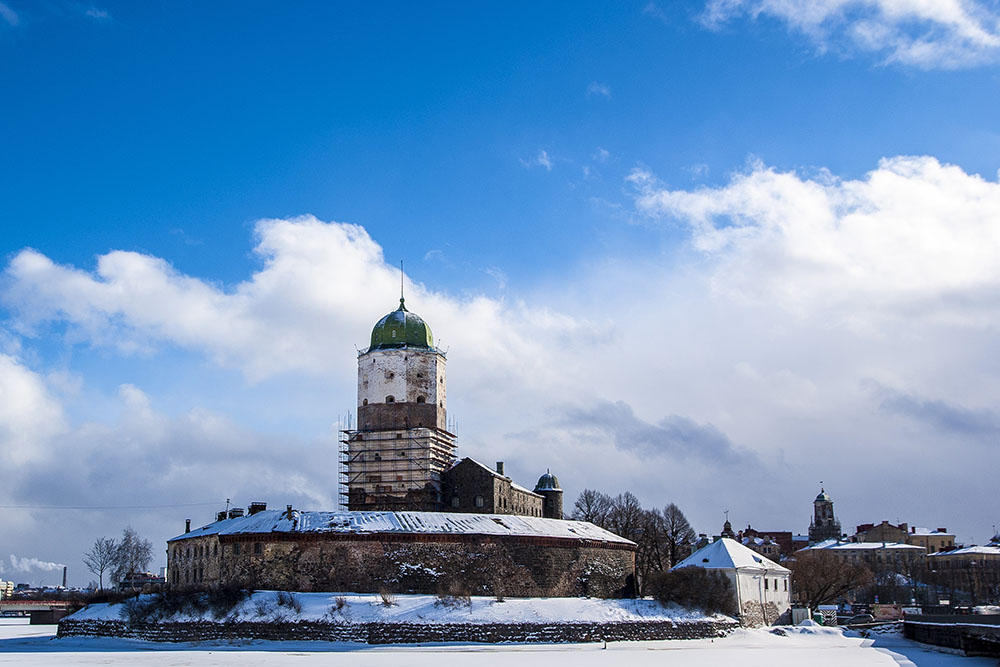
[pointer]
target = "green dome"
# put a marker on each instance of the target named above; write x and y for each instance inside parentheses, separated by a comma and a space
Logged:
(823, 497)
(547, 482)
(401, 328)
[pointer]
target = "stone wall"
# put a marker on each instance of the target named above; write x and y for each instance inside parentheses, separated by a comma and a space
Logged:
(974, 635)
(399, 633)
(417, 563)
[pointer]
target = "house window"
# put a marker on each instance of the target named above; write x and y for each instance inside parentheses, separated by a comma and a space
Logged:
(479, 501)
(390, 399)
(364, 402)
(786, 585)
(236, 549)
(258, 548)
(216, 550)
(765, 583)
(454, 501)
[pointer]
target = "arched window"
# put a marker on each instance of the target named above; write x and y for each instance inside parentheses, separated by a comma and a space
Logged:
(421, 399)
(390, 399)
(479, 501)
(455, 501)
(364, 402)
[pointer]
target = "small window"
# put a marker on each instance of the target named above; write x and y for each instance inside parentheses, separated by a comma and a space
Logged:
(454, 501)
(786, 584)
(765, 583)
(236, 549)
(479, 501)
(216, 550)
(364, 402)
(258, 548)
(390, 399)
(421, 399)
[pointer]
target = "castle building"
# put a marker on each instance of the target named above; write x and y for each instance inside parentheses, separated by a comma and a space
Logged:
(416, 521)
(824, 525)
(401, 448)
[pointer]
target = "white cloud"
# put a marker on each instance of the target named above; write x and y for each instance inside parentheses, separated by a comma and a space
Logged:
(601, 155)
(596, 89)
(813, 323)
(915, 238)
(929, 34)
(541, 160)
(9, 16)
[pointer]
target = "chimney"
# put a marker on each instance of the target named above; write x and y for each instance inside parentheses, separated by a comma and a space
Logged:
(942, 530)
(256, 507)
(64, 576)
(220, 515)
(913, 529)
(187, 525)
(235, 512)
(500, 467)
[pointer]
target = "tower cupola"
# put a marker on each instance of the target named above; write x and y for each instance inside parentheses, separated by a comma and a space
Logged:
(401, 328)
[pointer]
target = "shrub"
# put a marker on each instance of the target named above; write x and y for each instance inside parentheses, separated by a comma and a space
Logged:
(263, 606)
(388, 599)
(339, 602)
(454, 593)
(289, 600)
(221, 601)
(139, 610)
(708, 590)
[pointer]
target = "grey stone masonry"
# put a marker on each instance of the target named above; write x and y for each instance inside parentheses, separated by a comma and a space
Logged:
(399, 633)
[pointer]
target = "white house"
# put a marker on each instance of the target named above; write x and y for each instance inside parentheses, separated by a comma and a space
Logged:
(761, 586)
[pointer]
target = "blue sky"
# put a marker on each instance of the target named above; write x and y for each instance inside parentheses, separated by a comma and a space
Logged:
(756, 229)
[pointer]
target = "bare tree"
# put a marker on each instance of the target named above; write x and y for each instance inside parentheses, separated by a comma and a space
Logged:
(820, 577)
(677, 534)
(625, 516)
(592, 506)
(132, 555)
(101, 557)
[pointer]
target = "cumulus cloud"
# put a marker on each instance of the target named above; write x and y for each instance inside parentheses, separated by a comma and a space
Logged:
(914, 238)
(941, 34)
(743, 360)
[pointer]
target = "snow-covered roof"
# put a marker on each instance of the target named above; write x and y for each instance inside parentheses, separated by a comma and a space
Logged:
(837, 545)
(919, 530)
(725, 553)
(987, 550)
(281, 521)
(496, 474)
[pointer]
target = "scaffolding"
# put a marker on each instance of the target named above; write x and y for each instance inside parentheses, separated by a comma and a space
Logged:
(393, 469)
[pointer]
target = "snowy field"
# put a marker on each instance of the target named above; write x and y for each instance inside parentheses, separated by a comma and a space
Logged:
(23, 644)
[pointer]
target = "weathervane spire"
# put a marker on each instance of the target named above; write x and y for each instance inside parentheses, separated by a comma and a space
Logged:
(401, 284)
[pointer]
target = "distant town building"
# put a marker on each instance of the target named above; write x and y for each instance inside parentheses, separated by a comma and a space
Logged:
(824, 525)
(760, 542)
(878, 556)
(6, 589)
(760, 585)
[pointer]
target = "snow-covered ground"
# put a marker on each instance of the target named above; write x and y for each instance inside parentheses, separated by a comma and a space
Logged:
(364, 608)
(22, 644)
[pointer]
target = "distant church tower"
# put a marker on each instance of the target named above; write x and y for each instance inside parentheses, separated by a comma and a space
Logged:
(401, 446)
(824, 525)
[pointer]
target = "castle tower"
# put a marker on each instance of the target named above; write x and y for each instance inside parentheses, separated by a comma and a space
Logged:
(401, 446)
(824, 525)
(548, 487)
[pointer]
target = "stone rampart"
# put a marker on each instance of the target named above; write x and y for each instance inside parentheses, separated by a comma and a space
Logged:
(398, 633)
